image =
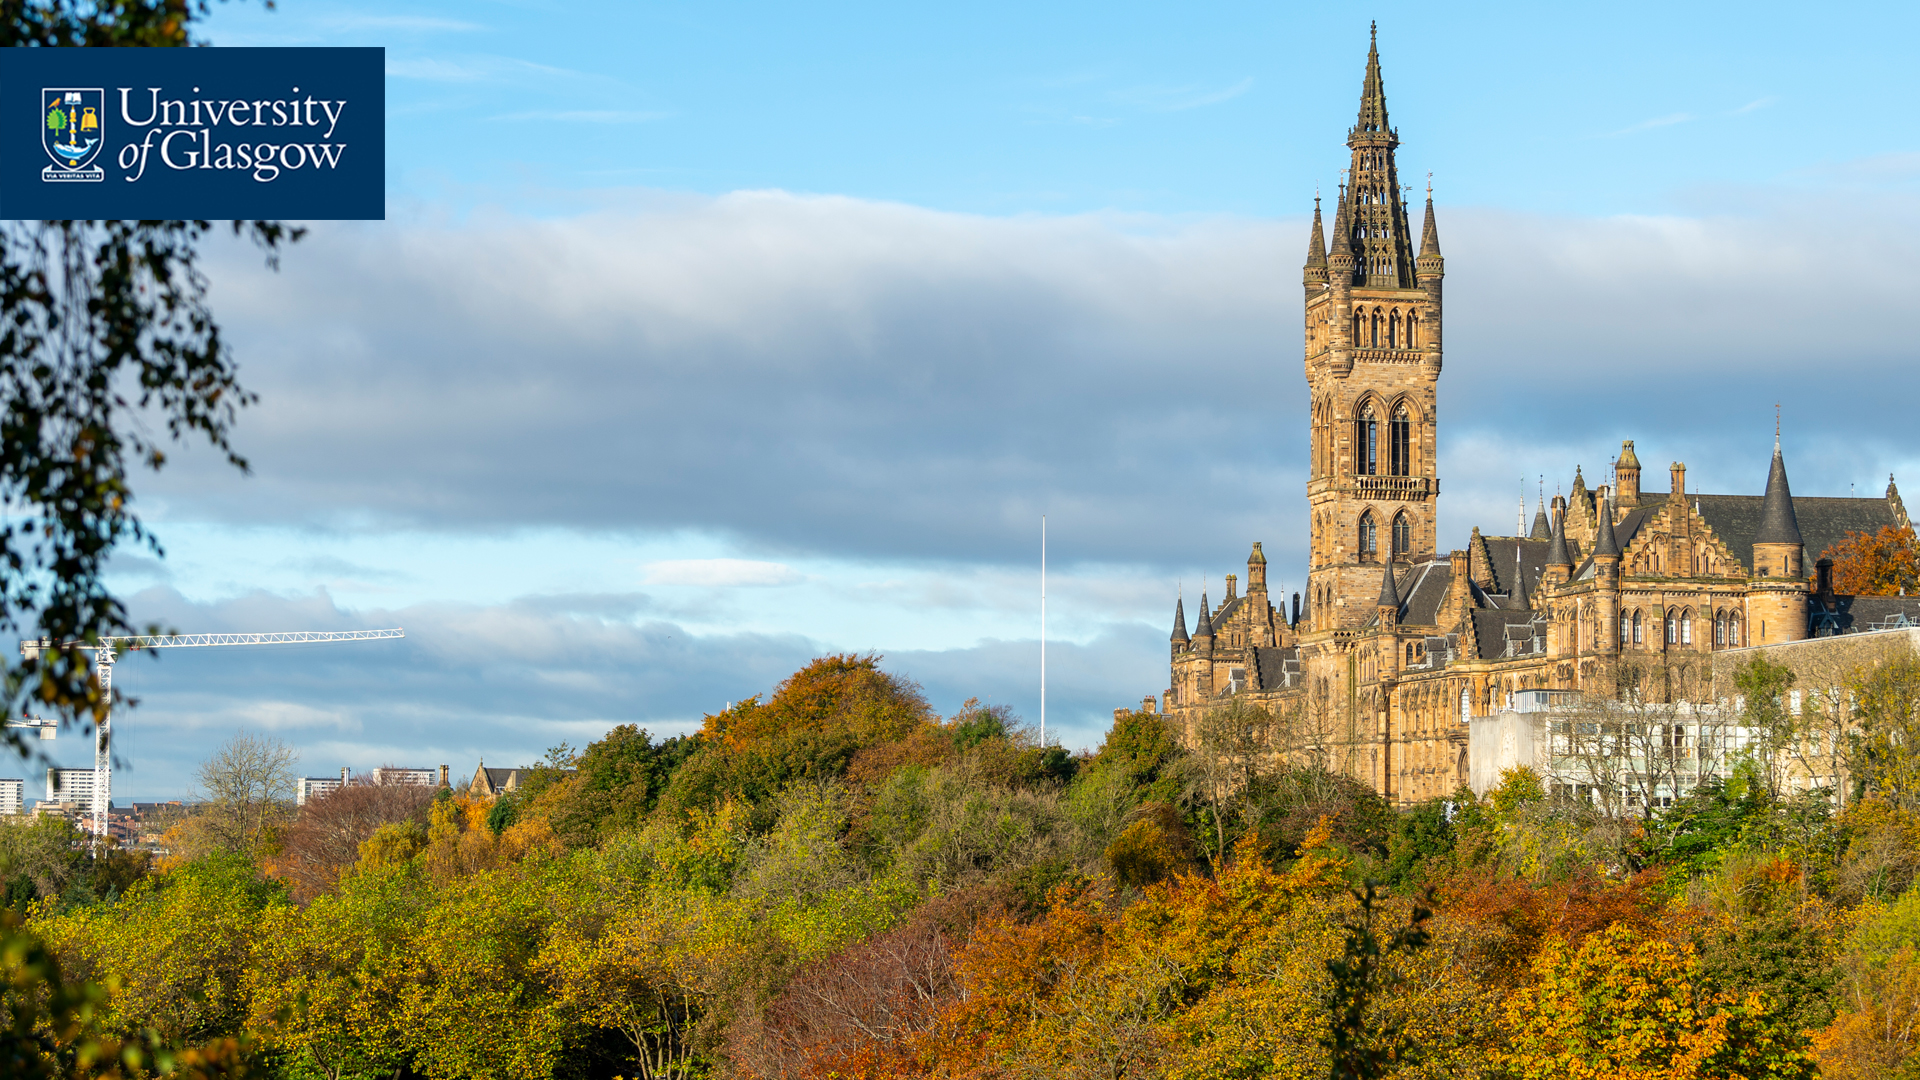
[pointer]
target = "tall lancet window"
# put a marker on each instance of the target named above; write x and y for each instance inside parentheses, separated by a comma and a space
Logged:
(1369, 541)
(1402, 536)
(1393, 330)
(1401, 450)
(1374, 339)
(1412, 341)
(1366, 442)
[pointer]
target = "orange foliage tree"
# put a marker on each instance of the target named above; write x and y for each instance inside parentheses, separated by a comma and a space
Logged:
(1881, 564)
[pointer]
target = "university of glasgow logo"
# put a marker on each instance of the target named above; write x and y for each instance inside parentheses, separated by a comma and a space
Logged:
(73, 127)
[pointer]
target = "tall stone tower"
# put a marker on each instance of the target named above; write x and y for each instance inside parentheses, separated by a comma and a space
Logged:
(1373, 361)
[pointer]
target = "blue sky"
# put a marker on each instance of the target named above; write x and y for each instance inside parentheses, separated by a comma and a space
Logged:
(702, 339)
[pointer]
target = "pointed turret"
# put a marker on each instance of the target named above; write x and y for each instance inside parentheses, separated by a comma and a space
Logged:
(1315, 272)
(1180, 623)
(1557, 550)
(1605, 544)
(1517, 596)
(1340, 257)
(1541, 529)
(1778, 603)
(1203, 628)
(1428, 266)
(1778, 525)
(1389, 594)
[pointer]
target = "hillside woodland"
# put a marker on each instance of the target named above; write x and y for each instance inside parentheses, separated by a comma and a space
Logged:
(835, 881)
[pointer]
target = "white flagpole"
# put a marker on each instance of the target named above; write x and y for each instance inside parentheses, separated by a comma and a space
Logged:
(1043, 630)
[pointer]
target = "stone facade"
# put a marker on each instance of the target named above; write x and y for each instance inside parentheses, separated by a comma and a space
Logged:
(1395, 646)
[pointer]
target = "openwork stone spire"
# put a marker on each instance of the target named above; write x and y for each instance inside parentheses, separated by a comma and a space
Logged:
(1376, 218)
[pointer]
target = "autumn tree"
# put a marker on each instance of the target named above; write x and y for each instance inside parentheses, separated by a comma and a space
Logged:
(1883, 563)
(1621, 1003)
(324, 840)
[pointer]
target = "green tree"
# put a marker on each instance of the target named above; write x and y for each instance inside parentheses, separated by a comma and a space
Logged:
(1888, 708)
(1763, 687)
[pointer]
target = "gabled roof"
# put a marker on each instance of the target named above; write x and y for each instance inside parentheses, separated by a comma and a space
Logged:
(1820, 522)
(1425, 591)
(1277, 668)
(1493, 629)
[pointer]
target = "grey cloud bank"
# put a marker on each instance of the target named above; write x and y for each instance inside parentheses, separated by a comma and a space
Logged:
(826, 375)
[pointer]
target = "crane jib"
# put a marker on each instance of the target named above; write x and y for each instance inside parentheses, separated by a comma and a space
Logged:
(103, 650)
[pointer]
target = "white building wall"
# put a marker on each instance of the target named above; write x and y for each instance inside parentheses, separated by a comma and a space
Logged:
(13, 796)
(70, 786)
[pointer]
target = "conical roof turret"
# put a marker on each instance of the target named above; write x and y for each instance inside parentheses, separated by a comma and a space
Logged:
(1340, 257)
(1541, 529)
(1203, 627)
(1316, 268)
(1517, 596)
(1430, 232)
(1778, 525)
(1605, 543)
(1180, 621)
(1389, 594)
(1557, 551)
(1429, 263)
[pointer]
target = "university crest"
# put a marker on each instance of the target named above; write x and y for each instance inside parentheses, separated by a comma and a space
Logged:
(73, 130)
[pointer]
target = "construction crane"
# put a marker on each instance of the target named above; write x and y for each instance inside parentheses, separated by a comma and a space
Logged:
(107, 649)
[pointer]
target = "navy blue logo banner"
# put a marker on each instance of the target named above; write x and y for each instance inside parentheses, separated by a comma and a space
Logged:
(193, 133)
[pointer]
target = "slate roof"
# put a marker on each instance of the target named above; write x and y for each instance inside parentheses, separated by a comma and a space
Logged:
(1533, 559)
(1424, 590)
(1492, 629)
(1278, 668)
(1858, 614)
(1823, 522)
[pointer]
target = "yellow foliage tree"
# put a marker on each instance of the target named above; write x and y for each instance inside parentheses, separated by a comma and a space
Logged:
(1618, 1005)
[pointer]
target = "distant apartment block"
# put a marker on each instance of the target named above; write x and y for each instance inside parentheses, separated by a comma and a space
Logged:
(416, 777)
(308, 788)
(70, 786)
(13, 795)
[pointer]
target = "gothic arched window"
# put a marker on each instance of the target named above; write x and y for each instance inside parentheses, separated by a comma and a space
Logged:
(1412, 322)
(1374, 338)
(1638, 630)
(1673, 628)
(1402, 536)
(1366, 442)
(1393, 329)
(1368, 542)
(1359, 328)
(1733, 629)
(1720, 629)
(1626, 629)
(1686, 627)
(1400, 455)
